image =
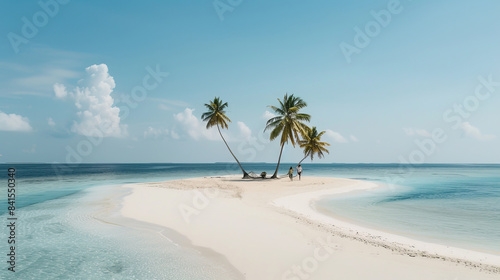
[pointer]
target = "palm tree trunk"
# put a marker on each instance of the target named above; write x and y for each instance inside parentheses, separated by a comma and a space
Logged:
(302, 159)
(275, 175)
(245, 175)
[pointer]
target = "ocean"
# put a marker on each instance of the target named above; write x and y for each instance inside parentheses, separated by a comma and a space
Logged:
(59, 233)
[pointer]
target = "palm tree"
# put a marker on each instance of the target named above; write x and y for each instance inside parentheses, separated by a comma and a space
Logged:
(216, 116)
(288, 122)
(311, 143)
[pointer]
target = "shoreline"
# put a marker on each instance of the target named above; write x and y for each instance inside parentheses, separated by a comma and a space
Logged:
(274, 223)
(303, 206)
(109, 212)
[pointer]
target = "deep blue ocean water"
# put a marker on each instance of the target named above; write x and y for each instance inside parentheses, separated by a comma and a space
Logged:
(58, 236)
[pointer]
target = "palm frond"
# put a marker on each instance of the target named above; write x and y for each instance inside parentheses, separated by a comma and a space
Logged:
(215, 114)
(312, 144)
(276, 132)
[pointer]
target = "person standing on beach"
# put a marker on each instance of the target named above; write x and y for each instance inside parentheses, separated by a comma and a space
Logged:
(290, 173)
(299, 171)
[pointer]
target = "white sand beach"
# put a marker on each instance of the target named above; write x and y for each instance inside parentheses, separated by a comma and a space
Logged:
(269, 229)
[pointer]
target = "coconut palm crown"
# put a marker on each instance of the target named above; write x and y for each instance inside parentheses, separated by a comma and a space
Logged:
(311, 143)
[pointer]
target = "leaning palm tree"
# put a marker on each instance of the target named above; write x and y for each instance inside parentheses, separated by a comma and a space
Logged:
(216, 116)
(311, 143)
(288, 122)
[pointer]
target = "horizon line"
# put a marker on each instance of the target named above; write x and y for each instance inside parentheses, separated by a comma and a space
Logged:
(259, 162)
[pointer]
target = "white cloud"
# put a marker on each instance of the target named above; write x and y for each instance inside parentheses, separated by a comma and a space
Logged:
(51, 122)
(268, 115)
(194, 126)
(475, 133)
(155, 133)
(354, 138)
(337, 137)
(13, 122)
(60, 91)
(416, 131)
(245, 132)
(96, 114)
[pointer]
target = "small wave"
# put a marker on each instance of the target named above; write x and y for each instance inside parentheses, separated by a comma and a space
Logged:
(430, 195)
(365, 179)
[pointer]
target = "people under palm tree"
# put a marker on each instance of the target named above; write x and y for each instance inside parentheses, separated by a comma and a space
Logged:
(299, 171)
(290, 173)
(289, 123)
(216, 116)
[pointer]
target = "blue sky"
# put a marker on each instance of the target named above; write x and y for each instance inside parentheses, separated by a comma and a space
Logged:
(121, 81)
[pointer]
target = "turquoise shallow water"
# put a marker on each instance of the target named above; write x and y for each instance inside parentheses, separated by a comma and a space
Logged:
(455, 205)
(59, 237)
(59, 234)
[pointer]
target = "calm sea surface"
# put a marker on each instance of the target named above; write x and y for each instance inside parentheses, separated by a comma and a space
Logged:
(59, 237)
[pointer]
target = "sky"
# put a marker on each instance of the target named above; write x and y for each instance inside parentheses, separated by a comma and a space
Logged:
(126, 81)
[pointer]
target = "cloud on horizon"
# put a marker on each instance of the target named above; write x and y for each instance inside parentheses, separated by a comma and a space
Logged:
(14, 122)
(475, 133)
